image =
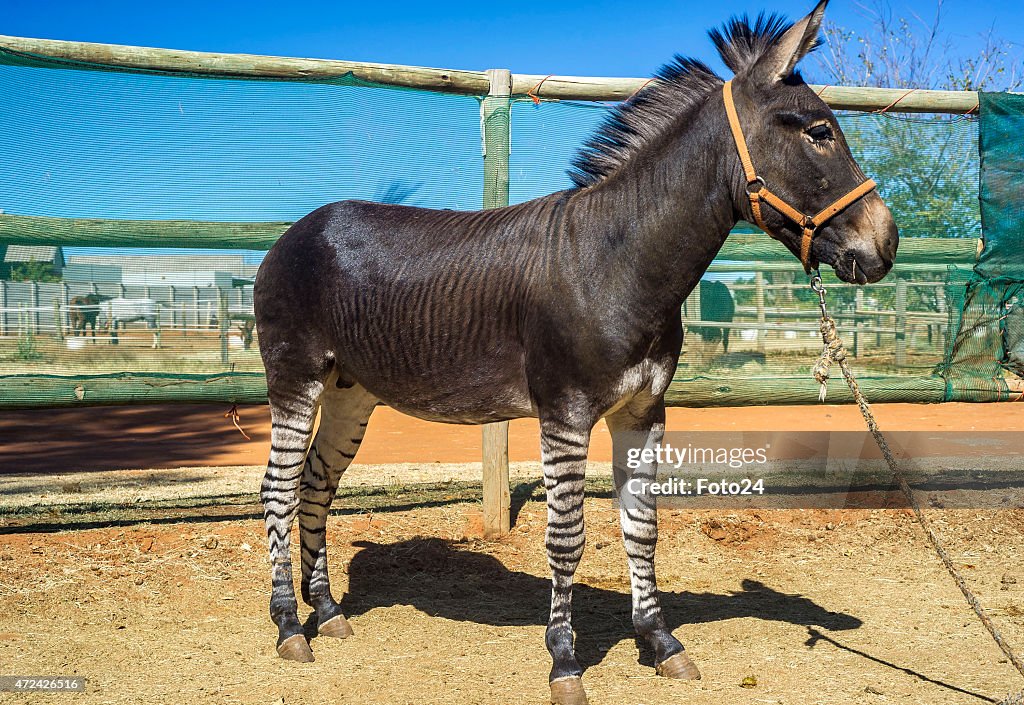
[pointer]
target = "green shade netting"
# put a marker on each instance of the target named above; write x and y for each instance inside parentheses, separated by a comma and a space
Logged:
(987, 341)
(128, 174)
(1002, 186)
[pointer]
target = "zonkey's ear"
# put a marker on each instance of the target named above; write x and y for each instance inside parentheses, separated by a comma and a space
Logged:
(778, 62)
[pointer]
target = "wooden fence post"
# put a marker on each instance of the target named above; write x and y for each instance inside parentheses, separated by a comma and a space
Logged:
(222, 324)
(3, 308)
(690, 313)
(901, 322)
(58, 320)
(36, 324)
(495, 127)
(174, 308)
(858, 307)
(762, 333)
(65, 300)
(195, 306)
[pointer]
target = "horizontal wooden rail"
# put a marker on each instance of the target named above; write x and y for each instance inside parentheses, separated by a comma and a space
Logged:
(248, 66)
(588, 88)
(96, 232)
(898, 100)
(761, 391)
(744, 390)
(27, 391)
(932, 250)
(34, 390)
(838, 97)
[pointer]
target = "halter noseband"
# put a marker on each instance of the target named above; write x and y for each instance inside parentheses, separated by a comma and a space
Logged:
(758, 191)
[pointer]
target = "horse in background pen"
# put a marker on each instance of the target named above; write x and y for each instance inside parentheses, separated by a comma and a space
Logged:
(716, 306)
(83, 311)
(121, 311)
(245, 330)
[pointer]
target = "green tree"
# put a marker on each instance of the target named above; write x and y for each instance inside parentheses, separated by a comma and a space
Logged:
(33, 271)
(926, 167)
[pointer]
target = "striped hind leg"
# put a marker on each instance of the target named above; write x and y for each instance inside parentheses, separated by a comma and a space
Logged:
(564, 453)
(292, 415)
(641, 424)
(344, 413)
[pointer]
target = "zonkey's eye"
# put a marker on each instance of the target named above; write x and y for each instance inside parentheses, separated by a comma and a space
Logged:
(820, 133)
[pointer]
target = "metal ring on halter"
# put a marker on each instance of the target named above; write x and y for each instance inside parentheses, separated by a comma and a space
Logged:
(757, 180)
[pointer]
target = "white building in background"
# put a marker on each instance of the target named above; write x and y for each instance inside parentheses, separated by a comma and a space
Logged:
(217, 271)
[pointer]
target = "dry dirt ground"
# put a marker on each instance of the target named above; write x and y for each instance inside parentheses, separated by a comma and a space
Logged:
(840, 606)
(153, 585)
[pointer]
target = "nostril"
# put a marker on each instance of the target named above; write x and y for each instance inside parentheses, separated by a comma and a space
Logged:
(879, 223)
(888, 243)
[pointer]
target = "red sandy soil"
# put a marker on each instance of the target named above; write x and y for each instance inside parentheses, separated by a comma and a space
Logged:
(834, 607)
(111, 438)
(814, 607)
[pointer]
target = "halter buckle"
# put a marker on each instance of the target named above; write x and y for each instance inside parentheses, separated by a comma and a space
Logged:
(760, 185)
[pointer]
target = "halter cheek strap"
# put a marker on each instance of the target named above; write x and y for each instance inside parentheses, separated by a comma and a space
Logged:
(757, 190)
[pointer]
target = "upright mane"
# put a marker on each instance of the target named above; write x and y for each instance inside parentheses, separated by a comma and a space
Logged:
(676, 89)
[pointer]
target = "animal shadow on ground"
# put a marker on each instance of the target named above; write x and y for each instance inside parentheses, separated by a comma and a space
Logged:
(447, 579)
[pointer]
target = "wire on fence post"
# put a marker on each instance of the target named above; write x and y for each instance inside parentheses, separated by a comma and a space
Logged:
(232, 414)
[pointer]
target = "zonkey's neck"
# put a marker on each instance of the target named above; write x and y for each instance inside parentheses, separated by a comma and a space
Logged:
(654, 226)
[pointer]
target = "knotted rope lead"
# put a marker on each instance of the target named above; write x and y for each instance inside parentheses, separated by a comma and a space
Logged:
(834, 352)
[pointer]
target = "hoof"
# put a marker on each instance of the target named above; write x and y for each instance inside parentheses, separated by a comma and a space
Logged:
(295, 648)
(679, 666)
(336, 627)
(568, 691)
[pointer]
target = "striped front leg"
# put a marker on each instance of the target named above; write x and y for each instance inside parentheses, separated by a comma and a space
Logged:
(564, 453)
(641, 425)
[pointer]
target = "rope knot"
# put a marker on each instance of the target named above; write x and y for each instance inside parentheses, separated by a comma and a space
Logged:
(833, 352)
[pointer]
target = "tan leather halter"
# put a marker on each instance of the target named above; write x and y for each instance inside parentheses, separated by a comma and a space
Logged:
(758, 190)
